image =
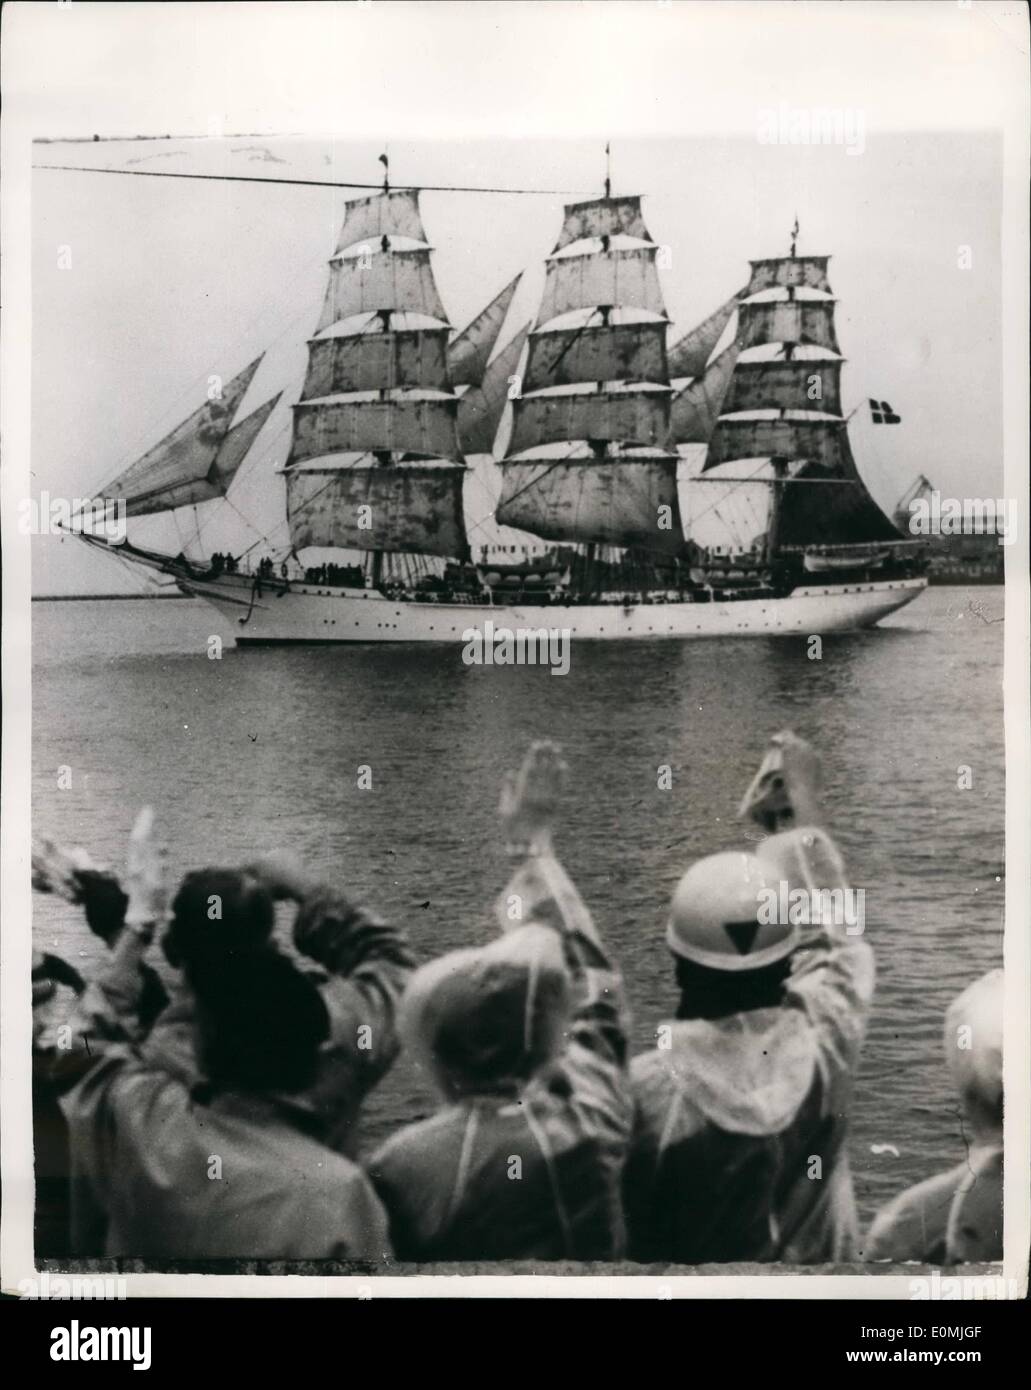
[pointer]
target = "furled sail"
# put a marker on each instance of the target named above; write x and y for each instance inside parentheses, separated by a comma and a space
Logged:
(689, 355)
(622, 352)
(481, 408)
(695, 410)
(627, 278)
(470, 351)
(375, 462)
(184, 467)
(787, 409)
(616, 483)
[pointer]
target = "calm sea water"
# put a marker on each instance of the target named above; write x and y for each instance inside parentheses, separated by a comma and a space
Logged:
(261, 749)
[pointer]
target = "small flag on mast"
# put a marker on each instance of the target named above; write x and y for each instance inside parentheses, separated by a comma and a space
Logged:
(386, 172)
(882, 414)
(794, 235)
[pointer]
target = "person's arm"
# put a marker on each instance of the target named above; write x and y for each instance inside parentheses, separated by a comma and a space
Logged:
(912, 1226)
(109, 1008)
(53, 1070)
(539, 890)
(368, 961)
(72, 875)
(832, 976)
(107, 1011)
(58, 971)
(785, 792)
(104, 902)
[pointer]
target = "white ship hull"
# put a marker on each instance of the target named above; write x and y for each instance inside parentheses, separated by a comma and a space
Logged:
(307, 613)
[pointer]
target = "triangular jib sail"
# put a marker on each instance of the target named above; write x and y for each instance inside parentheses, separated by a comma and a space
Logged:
(198, 460)
(470, 350)
(481, 408)
(695, 409)
(690, 354)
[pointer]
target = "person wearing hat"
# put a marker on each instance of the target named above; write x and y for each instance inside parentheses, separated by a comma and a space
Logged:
(525, 1043)
(739, 1146)
(956, 1216)
(200, 1139)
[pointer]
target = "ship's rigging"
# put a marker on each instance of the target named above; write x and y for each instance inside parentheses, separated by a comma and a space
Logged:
(393, 402)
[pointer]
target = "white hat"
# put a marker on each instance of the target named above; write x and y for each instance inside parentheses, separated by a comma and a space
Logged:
(489, 1015)
(715, 918)
(973, 1041)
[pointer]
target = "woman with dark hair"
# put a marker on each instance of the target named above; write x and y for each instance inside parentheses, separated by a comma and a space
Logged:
(357, 964)
(202, 1153)
(206, 1138)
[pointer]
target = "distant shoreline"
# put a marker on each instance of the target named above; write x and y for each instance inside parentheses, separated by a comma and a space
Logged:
(102, 598)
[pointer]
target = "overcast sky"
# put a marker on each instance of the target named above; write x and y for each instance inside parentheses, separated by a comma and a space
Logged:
(172, 280)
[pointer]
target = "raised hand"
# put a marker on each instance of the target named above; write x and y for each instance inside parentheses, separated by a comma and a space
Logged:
(282, 874)
(56, 869)
(530, 797)
(145, 874)
(784, 792)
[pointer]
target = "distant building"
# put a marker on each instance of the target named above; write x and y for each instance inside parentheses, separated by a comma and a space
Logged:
(973, 559)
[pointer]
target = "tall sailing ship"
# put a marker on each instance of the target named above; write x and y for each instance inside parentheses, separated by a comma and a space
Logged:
(766, 529)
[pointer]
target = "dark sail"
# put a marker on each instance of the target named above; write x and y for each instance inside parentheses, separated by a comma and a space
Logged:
(783, 403)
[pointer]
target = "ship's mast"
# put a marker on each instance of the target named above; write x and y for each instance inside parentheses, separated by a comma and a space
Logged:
(784, 406)
(777, 463)
(375, 462)
(588, 460)
(598, 446)
(382, 457)
(780, 472)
